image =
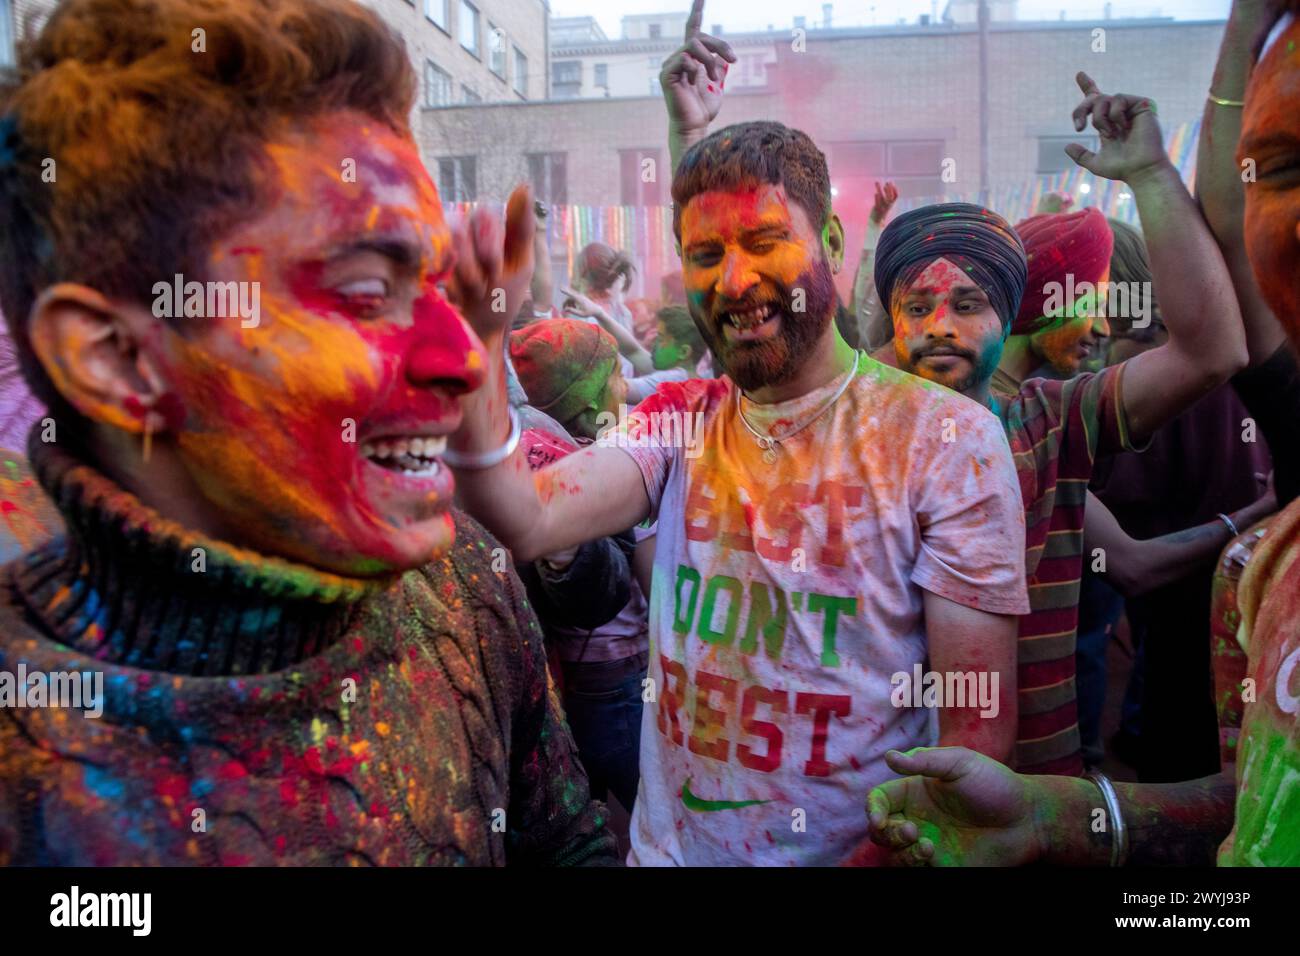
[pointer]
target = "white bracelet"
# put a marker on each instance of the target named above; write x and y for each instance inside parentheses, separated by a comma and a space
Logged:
(477, 461)
(1118, 832)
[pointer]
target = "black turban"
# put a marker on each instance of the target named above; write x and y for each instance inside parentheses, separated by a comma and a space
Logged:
(976, 239)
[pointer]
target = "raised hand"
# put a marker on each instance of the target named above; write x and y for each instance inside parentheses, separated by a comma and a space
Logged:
(884, 201)
(1054, 202)
(490, 279)
(576, 303)
(1131, 143)
(956, 808)
(693, 76)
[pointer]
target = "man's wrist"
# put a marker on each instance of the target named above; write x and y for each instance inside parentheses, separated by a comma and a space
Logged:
(687, 135)
(1062, 820)
(1156, 175)
(872, 238)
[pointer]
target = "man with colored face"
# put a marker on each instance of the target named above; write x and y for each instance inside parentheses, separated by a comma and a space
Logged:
(955, 276)
(230, 301)
(1061, 328)
(837, 529)
(957, 807)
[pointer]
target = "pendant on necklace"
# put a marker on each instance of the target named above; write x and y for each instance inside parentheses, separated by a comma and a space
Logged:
(769, 449)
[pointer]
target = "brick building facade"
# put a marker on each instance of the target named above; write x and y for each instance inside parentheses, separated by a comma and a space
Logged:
(885, 102)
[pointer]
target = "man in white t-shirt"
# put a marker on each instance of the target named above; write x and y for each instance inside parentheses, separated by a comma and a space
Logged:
(826, 524)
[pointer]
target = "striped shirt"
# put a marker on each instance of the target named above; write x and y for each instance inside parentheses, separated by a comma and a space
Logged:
(1057, 429)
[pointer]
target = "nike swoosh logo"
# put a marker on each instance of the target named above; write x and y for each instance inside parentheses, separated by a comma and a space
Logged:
(692, 802)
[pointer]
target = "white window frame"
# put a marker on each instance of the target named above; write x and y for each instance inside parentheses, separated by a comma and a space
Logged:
(443, 22)
(519, 82)
(476, 50)
(446, 85)
(495, 33)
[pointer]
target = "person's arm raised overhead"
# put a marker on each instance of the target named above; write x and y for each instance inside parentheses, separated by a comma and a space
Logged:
(1221, 183)
(542, 287)
(1206, 343)
(875, 324)
(589, 494)
(692, 79)
(1270, 388)
(575, 303)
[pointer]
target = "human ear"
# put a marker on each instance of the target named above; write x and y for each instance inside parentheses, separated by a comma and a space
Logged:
(833, 243)
(89, 347)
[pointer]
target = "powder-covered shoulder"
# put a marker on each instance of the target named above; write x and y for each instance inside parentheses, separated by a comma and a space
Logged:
(692, 395)
(476, 581)
(914, 402)
(477, 567)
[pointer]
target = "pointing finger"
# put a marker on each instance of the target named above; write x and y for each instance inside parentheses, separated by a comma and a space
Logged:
(694, 21)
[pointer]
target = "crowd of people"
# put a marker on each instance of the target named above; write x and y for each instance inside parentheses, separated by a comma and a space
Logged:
(435, 558)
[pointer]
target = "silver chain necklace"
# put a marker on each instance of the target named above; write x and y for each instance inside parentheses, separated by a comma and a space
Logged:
(771, 443)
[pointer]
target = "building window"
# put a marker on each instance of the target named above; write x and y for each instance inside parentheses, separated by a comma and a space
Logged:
(915, 166)
(639, 176)
(566, 78)
(521, 73)
(496, 51)
(655, 31)
(438, 12)
(915, 159)
(602, 76)
(1052, 157)
(548, 172)
(437, 86)
(7, 57)
(469, 95)
(457, 179)
(467, 28)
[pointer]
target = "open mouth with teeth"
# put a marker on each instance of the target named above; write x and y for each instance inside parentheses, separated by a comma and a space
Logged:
(414, 455)
(747, 325)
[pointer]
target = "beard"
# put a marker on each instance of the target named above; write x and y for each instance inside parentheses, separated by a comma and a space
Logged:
(774, 361)
(981, 367)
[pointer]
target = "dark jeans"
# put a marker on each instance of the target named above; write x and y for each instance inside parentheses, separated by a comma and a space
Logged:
(1100, 608)
(1180, 730)
(603, 705)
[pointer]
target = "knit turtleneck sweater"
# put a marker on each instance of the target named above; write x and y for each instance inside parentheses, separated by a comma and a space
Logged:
(261, 712)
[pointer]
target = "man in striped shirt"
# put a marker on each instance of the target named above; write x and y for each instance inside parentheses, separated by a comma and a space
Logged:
(954, 277)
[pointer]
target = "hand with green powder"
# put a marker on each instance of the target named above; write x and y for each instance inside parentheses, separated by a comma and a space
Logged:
(955, 807)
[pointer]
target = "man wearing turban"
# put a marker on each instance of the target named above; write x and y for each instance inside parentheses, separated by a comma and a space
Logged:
(1061, 323)
(958, 280)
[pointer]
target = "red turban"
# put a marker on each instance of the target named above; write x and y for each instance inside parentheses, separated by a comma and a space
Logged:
(1063, 248)
(563, 365)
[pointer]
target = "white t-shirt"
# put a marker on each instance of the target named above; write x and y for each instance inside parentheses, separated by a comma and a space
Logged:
(765, 735)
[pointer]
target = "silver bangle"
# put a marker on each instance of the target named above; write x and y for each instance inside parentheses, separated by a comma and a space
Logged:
(1118, 832)
(477, 461)
(1229, 522)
